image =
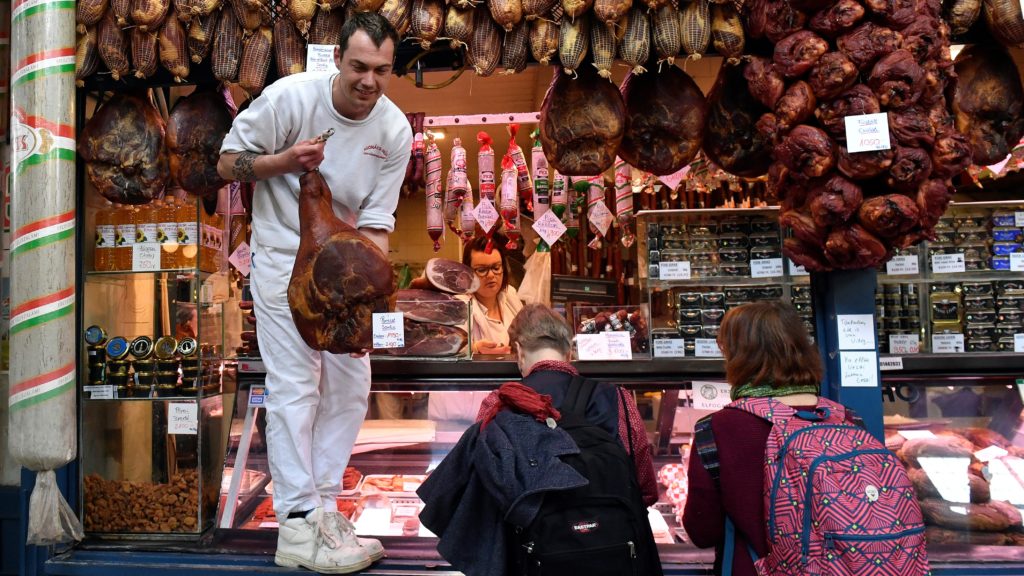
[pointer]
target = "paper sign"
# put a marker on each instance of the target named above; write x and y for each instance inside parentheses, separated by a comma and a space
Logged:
(182, 418)
(711, 395)
(145, 257)
(485, 215)
(549, 227)
(388, 330)
(867, 132)
(669, 348)
(672, 180)
(902, 264)
(707, 348)
(619, 346)
(948, 343)
(320, 58)
(241, 259)
(916, 434)
(674, 270)
(100, 392)
(600, 217)
(856, 331)
(1018, 342)
(890, 363)
(1018, 219)
(948, 263)
(904, 344)
(257, 396)
(859, 369)
(796, 269)
(1017, 261)
(990, 453)
(766, 268)
(604, 346)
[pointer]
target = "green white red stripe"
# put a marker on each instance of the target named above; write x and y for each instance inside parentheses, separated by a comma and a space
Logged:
(42, 310)
(26, 8)
(37, 140)
(43, 232)
(42, 387)
(54, 61)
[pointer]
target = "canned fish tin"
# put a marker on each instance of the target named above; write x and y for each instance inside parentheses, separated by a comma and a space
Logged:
(733, 255)
(737, 294)
(1006, 234)
(689, 299)
(978, 302)
(165, 347)
(688, 316)
(734, 226)
(764, 225)
(999, 262)
(1008, 329)
(976, 288)
(1009, 315)
(1006, 344)
(987, 331)
(732, 241)
(1003, 218)
(95, 336)
(1010, 286)
(979, 345)
(690, 330)
(711, 317)
(1005, 248)
(142, 347)
(980, 316)
(117, 348)
(712, 299)
(734, 269)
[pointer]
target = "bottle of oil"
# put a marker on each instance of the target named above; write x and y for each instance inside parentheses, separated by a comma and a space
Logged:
(103, 254)
(124, 236)
(167, 233)
(188, 233)
(146, 231)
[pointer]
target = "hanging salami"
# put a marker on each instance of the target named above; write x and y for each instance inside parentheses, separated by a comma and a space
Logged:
(624, 201)
(524, 183)
(457, 186)
(485, 167)
(541, 182)
(467, 220)
(435, 216)
(509, 202)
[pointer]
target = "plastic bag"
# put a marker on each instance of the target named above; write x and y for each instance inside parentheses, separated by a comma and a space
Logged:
(536, 285)
(50, 519)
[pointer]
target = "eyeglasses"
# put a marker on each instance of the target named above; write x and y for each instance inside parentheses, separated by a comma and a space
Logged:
(482, 271)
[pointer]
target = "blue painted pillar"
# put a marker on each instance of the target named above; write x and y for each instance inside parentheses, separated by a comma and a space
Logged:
(839, 296)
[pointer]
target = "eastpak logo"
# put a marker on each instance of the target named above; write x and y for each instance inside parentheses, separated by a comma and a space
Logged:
(586, 526)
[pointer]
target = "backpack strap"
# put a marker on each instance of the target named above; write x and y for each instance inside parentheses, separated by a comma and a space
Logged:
(578, 397)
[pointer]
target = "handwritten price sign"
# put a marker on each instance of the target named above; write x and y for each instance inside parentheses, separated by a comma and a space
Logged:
(388, 330)
(867, 132)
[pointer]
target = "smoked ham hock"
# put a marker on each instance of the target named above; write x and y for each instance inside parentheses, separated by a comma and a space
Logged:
(988, 102)
(123, 148)
(582, 122)
(195, 130)
(340, 277)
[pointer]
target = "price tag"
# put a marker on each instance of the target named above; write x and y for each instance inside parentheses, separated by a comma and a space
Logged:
(948, 263)
(145, 257)
(183, 418)
(100, 392)
(669, 348)
(890, 363)
(549, 227)
(675, 270)
(604, 346)
(859, 369)
(1018, 218)
(990, 453)
(241, 259)
(916, 434)
(904, 344)
(600, 217)
(902, 264)
(1018, 342)
(320, 58)
(711, 395)
(867, 132)
(796, 269)
(1017, 261)
(619, 346)
(388, 330)
(856, 331)
(257, 396)
(485, 214)
(949, 343)
(707, 348)
(766, 268)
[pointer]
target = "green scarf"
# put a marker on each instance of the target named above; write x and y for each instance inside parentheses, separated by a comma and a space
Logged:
(755, 390)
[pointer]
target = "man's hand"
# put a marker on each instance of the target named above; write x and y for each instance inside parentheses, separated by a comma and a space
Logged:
(249, 166)
(304, 156)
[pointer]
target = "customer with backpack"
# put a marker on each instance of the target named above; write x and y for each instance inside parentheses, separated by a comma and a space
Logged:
(789, 481)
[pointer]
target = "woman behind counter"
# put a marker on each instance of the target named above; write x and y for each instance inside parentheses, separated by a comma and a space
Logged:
(495, 303)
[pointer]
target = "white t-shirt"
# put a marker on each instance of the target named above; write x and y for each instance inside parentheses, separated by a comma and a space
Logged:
(485, 328)
(364, 161)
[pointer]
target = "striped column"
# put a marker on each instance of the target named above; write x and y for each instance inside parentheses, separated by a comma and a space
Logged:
(43, 340)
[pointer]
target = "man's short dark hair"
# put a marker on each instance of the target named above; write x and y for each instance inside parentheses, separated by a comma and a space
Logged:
(376, 27)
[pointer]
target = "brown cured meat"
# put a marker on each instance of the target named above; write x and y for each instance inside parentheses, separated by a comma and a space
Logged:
(911, 127)
(888, 216)
(195, 130)
(864, 165)
(940, 117)
(897, 80)
(730, 138)
(854, 248)
(582, 123)
(988, 102)
(834, 201)
(796, 105)
(784, 187)
(855, 101)
(755, 13)
(867, 43)
(910, 167)
(665, 114)
(810, 256)
(431, 306)
(764, 81)
(430, 339)
(769, 127)
(803, 227)
(937, 76)
(340, 277)
(951, 154)
(896, 14)
(837, 18)
(782, 20)
(832, 75)
(925, 37)
(449, 276)
(932, 199)
(807, 151)
(798, 52)
(124, 151)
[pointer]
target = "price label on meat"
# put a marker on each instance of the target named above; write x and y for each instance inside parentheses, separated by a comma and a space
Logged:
(600, 217)
(604, 346)
(182, 418)
(867, 132)
(947, 343)
(904, 344)
(948, 263)
(674, 270)
(388, 330)
(549, 227)
(903, 264)
(320, 58)
(766, 268)
(486, 215)
(672, 348)
(706, 348)
(796, 269)
(145, 256)
(1017, 261)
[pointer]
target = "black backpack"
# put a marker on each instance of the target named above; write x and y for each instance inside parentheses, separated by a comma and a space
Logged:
(600, 529)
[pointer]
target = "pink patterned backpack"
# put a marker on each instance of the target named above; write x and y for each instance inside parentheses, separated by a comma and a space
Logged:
(837, 502)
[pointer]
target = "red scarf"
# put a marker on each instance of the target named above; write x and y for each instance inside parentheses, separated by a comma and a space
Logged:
(526, 400)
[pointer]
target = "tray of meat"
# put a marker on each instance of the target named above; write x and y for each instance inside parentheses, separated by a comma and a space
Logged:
(350, 481)
(392, 484)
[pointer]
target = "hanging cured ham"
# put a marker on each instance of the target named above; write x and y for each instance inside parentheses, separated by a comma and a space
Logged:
(582, 122)
(195, 130)
(340, 277)
(988, 103)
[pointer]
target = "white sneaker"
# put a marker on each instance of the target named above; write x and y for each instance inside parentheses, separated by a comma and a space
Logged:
(312, 543)
(346, 532)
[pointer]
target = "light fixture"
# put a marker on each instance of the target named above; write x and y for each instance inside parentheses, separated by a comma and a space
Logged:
(437, 133)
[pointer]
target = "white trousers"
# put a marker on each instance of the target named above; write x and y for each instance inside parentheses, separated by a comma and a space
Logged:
(316, 400)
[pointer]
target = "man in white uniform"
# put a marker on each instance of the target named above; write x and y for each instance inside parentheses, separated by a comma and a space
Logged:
(317, 401)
